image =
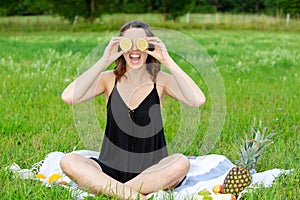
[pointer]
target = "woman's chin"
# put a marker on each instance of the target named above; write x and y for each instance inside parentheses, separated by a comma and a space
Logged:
(135, 65)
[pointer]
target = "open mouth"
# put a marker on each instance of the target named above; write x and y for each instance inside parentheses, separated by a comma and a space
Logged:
(135, 57)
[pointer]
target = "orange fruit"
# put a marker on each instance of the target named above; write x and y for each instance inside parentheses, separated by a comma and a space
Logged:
(217, 189)
(41, 176)
(142, 44)
(54, 177)
(125, 44)
(62, 183)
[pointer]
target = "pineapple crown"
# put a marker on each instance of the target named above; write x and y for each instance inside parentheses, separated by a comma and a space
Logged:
(252, 149)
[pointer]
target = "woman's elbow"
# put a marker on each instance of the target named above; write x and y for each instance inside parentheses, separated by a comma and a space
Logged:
(66, 98)
(200, 102)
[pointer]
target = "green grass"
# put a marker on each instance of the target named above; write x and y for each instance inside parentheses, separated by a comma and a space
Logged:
(260, 70)
(115, 21)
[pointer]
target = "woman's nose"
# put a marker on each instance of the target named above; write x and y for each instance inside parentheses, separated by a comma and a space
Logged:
(134, 48)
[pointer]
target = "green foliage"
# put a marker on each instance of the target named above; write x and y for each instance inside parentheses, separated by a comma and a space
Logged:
(174, 9)
(212, 6)
(25, 7)
(204, 9)
(290, 6)
(135, 6)
(253, 149)
(285, 187)
(88, 9)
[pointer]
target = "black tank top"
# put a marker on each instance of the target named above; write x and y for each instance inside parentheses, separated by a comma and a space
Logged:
(134, 139)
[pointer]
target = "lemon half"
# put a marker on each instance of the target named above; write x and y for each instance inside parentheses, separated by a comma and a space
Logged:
(125, 44)
(54, 177)
(142, 44)
(41, 176)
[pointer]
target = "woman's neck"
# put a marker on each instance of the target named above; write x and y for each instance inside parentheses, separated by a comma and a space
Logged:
(137, 75)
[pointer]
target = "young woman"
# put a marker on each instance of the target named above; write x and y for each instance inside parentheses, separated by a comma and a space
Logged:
(133, 159)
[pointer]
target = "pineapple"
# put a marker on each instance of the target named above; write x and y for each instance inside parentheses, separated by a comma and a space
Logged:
(239, 177)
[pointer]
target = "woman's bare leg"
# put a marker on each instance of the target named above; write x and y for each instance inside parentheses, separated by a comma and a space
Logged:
(166, 174)
(89, 176)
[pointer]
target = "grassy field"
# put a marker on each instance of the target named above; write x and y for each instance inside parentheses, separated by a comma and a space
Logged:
(260, 71)
(115, 21)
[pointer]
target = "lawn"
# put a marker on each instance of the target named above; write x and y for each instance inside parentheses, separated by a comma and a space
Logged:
(260, 74)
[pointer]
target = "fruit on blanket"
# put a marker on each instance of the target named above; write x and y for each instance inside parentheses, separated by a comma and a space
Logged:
(142, 44)
(239, 177)
(125, 44)
(207, 197)
(204, 192)
(224, 197)
(217, 189)
(54, 177)
(204, 197)
(63, 182)
(60, 182)
(40, 176)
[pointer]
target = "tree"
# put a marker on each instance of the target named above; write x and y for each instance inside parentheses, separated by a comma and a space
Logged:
(25, 7)
(88, 9)
(250, 6)
(223, 5)
(175, 8)
(290, 6)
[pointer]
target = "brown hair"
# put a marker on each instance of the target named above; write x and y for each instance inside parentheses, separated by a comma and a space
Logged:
(152, 65)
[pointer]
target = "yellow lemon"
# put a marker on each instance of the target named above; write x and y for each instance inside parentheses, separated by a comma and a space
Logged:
(142, 44)
(125, 44)
(54, 177)
(41, 176)
(217, 189)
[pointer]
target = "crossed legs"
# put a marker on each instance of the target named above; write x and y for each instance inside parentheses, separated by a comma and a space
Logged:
(89, 176)
(166, 174)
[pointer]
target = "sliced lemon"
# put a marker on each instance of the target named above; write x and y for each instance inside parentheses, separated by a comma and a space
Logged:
(54, 177)
(41, 176)
(125, 44)
(142, 44)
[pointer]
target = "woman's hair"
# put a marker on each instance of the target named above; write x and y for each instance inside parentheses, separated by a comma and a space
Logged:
(152, 65)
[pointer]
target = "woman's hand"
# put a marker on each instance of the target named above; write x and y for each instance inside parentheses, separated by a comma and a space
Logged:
(111, 52)
(89, 84)
(160, 52)
(179, 85)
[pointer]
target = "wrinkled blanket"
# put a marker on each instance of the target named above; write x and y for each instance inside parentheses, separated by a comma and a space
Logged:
(205, 172)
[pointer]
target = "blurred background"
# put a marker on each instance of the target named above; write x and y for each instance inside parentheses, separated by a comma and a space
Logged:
(97, 15)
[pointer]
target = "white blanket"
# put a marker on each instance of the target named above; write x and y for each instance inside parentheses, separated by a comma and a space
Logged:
(205, 172)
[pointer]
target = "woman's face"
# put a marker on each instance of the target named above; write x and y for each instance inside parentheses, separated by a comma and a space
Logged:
(135, 59)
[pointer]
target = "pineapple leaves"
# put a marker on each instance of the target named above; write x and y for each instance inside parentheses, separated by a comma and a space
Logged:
(252, 149)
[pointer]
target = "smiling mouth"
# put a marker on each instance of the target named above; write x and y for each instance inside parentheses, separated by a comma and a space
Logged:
(135, 58)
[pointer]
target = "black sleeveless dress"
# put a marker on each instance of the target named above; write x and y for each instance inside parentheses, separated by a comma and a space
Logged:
(134, 139)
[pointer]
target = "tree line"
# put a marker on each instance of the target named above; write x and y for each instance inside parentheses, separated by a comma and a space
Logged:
(172, 9)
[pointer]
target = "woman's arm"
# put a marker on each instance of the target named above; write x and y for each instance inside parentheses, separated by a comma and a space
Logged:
(179, 85)
(91, 83)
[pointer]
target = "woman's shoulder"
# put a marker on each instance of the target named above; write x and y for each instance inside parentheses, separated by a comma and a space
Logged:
(162, 80)
(108, 80)
(163, 77)
(107, 76)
